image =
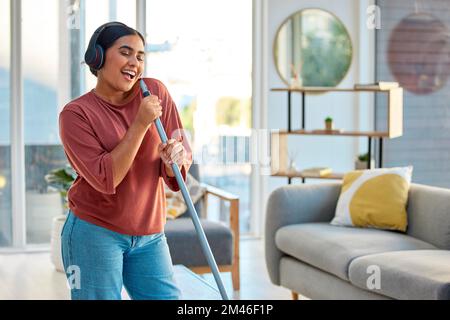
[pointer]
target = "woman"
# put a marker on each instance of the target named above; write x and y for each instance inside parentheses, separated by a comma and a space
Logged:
(114, 233)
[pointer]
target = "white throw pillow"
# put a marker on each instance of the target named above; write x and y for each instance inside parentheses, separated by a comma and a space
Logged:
(175, 205)
(374, 198)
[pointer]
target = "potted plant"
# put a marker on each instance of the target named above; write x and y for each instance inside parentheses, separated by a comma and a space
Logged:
(60, 180)
(362, 162)
(329, 123)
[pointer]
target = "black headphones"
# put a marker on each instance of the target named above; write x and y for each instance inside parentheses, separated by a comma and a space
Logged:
(95, 54)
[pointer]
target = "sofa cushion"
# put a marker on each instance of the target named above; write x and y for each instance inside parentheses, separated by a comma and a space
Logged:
(332, 248)
(185, 246)
(359, 203)
(417, 274)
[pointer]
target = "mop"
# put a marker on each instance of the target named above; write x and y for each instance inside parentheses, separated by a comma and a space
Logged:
(187, 198)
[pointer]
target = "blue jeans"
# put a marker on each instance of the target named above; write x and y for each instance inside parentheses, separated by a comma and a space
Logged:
(98, 262)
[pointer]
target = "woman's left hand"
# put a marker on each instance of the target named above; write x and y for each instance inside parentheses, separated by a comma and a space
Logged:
(173, 152)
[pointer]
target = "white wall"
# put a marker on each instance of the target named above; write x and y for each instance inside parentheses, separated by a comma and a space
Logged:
(335, 152)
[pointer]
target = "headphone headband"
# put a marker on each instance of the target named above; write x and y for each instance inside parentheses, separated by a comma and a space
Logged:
(94, 55)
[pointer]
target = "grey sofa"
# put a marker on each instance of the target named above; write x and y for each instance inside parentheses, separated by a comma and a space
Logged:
(311, 257)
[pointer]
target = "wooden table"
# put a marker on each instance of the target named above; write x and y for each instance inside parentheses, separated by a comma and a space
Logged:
(193, 287)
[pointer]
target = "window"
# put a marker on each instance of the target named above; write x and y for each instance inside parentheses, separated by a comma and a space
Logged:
(5, 141)
(204, 57)
(43, 87)
(98, 12)
(206, 65)
(43, 151)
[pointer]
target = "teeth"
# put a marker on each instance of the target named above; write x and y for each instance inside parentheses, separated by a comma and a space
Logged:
(131, 73)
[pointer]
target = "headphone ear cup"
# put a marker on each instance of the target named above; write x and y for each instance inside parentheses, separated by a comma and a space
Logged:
(95, 55)
(89, 56)
(99, 57)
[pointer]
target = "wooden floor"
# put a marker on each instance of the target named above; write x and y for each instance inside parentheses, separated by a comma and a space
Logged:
(32, 276)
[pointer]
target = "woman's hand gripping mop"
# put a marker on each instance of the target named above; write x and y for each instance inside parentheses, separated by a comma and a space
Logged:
(187, 198)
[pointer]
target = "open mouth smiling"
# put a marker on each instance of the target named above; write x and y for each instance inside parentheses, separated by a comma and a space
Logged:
(129, 74)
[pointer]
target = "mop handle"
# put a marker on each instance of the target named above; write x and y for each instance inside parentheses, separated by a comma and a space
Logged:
(187, 198)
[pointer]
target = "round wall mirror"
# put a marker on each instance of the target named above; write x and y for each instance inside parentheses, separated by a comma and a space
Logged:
(312, 48)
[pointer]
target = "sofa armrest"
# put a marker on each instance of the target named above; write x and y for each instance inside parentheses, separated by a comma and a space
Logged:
(429, 215)
(220, 193)
(296, 204)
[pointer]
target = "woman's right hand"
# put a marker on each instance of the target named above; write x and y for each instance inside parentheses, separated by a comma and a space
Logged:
(149, 110)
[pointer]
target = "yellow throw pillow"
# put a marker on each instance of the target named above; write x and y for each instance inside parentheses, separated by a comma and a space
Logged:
(175, 205)
(374, 198)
